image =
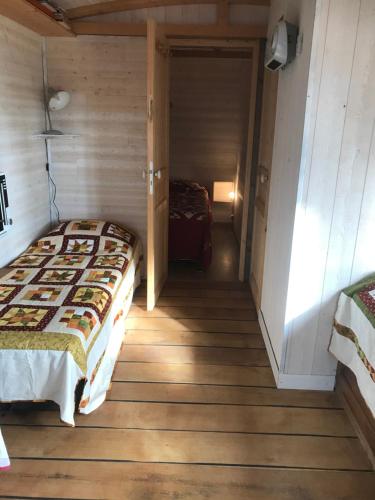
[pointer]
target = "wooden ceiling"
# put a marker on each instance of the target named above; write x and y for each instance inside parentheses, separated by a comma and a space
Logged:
(118, 5)
(84, 8)
(79, 12)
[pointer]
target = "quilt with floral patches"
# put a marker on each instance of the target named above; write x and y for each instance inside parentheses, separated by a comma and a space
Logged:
(190, 220)
(61, 293)
(353, 338)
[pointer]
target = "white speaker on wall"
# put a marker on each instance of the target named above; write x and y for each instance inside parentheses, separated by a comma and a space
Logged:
(282, 49)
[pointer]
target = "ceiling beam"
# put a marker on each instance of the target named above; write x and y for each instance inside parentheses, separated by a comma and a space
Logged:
(100, 8)
(33, 18)
(222, 12)
(115, 29)
(238, 31)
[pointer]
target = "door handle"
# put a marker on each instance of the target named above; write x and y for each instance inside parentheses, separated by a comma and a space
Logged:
(263, 174)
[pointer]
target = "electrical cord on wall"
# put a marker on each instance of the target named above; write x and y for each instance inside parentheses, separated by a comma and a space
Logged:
(52, 188)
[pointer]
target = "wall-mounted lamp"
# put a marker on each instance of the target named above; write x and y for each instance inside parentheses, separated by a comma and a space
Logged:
(224, 192)
(55, 101)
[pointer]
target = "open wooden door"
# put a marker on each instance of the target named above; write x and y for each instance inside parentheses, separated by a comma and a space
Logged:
(157, 161)
(263, 184)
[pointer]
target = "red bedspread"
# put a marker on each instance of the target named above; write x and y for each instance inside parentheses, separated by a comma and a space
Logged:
(190, 220)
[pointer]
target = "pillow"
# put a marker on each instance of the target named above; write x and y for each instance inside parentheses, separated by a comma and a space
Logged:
(88, 237)
(183, 186)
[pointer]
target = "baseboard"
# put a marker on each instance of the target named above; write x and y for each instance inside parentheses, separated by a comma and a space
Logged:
(267, 341)
(288, 381)
(306, 382)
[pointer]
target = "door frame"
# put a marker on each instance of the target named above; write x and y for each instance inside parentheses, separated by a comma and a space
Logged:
(248, 194)
(254, 46)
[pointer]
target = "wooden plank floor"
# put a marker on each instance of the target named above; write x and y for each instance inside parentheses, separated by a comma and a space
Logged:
(193, 413)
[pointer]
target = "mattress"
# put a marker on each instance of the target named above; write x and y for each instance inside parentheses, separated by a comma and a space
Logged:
(353, 337)
(190, 219)
(63, 306)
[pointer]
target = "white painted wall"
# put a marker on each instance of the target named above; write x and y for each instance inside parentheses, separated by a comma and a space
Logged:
(334, 229)
(327, 211)
(22, 158)
(290, 115)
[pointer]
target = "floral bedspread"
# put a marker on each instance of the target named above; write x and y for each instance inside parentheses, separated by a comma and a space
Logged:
(65, 295)
(353, 338)
(59, 291)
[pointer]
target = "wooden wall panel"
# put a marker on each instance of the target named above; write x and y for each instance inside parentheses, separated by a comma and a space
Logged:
(99, 174)
(337, 193)
(289, 127)
(322, 207)
(22, 158)
(209, 117)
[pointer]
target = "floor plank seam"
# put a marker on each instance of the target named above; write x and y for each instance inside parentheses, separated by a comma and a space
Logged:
(149, 401)
(192, 383)
(158, 429)
(207, 464)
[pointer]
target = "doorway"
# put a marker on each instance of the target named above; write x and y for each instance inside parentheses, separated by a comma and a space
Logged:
(212, 91)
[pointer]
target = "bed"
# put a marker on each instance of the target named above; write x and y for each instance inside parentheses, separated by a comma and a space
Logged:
(190, 220)
(63, 306)
(353, 337)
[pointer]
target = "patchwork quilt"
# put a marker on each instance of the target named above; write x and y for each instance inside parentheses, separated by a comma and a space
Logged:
(190, 219)
(60, 311)
(353, 338)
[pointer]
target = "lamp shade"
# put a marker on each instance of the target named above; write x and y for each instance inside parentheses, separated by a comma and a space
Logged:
(223, 192)
(58, 100)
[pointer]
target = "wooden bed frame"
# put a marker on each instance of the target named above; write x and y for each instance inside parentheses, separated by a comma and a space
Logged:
(357, 409)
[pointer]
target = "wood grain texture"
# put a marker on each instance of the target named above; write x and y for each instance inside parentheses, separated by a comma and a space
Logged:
(357, 409)
(269, 101)
(209, 99)
(100, 173)
(199, 374)
(22, 158)
(157, 161)
(194, 325)
(208, 302)
(193, 312)
(195, 355)
(246, 190)
(200, 13)
(208, 339)
(114, 6)
(187, 393)
(188, 429)
(181, 447)
(171, 291)
(98, 480)
(200, 417)
(22, 12)
(115, 28)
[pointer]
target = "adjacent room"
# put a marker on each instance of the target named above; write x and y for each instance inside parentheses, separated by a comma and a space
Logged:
(187, 275)
(210, 90)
